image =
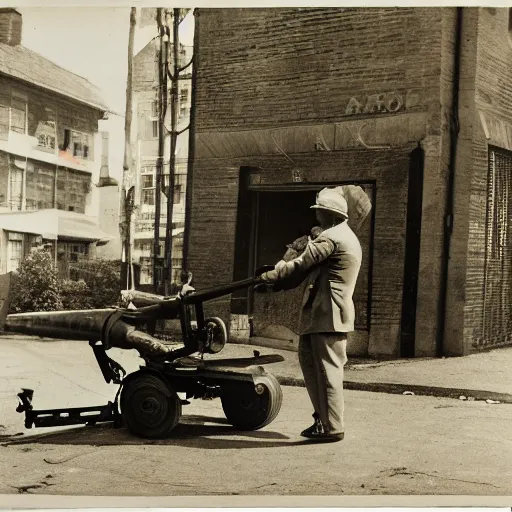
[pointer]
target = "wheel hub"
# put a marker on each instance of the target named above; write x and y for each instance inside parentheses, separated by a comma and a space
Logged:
(150, 405)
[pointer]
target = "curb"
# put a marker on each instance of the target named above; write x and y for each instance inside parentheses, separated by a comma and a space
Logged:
(400, 389)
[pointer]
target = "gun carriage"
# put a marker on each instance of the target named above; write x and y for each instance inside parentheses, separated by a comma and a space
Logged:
(148, 400)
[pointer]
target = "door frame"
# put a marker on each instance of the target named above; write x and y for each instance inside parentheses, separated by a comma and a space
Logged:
(252, 193)
(413, 226)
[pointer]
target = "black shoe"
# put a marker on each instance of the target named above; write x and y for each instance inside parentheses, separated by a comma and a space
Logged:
(315, 429)
(326, 437)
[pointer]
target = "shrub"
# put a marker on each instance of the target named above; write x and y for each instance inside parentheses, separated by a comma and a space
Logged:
(102, 279)
(75, 294)
(35, 285)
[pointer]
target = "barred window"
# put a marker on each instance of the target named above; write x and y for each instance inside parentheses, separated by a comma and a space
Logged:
(497, 323)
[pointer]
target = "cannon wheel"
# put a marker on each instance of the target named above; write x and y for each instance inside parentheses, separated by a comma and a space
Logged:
(149, 406)
(217, 334)
(251, 407)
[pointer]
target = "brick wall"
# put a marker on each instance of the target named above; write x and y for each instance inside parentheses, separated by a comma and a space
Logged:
(454, 333)
(263, 69)
(10, 27)
(274, 67)
(492, 125)
(213, 225)
(145, 68)
(437, 148)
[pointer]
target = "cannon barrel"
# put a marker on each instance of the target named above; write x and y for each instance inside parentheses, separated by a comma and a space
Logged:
(106, 325)
(70, 325)
(115, 327)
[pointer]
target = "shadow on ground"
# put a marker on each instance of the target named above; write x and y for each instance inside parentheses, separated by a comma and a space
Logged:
(192, 432)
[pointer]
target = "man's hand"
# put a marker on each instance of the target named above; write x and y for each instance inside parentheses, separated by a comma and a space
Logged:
(279, 266)
(274, 275)
(271, 276)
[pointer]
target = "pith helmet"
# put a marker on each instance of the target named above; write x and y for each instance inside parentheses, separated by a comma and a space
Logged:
(332, 200)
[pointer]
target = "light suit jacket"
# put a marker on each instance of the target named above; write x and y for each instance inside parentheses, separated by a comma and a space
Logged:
(330, 264)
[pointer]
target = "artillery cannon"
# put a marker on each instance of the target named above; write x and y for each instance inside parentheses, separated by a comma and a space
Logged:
(147, 401)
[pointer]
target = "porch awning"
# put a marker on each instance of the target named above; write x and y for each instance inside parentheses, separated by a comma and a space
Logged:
(55, 224)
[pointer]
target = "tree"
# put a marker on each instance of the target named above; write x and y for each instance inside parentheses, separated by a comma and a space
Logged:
(97, 281)
(127, 199)
(170, 70)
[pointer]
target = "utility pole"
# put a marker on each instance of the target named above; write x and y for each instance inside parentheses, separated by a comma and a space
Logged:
(174, 76)
(162, 109)
(126, 207)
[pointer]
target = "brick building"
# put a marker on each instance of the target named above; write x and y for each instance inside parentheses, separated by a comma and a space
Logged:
(413, 104)
(54, 183)
(145, 153)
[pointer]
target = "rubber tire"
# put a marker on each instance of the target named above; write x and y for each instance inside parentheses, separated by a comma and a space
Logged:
(146, 390)
(246, 410)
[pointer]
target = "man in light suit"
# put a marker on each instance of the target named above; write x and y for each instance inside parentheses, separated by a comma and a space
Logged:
(331, 264)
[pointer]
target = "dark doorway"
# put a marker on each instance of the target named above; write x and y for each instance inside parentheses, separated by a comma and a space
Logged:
(282, 218)
(266, 223)
(270, 217)
(412, 254)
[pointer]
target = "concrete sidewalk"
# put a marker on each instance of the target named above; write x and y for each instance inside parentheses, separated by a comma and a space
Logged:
(482, 376)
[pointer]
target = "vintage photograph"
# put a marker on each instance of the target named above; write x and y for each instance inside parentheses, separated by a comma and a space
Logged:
(255, 251)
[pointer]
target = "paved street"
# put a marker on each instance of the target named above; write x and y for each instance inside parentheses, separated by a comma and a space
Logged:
(395, 444)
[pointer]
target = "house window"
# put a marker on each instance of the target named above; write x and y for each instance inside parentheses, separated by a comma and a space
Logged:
(72, 189)
(67, 140)
(154, 109)
(81, 145)
(46, 141)
(5, 108)
(146, 271)
(40, 185)
(148, 189)
(15, 187)
(78, 252)
(177, 194)
(46, 130)
(18, 113)
(155, 129)
(15, 251)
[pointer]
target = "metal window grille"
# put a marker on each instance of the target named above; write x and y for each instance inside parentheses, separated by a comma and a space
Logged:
(497, 310)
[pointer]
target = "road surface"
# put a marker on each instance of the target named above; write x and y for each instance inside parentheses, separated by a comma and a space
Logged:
(399, 445)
